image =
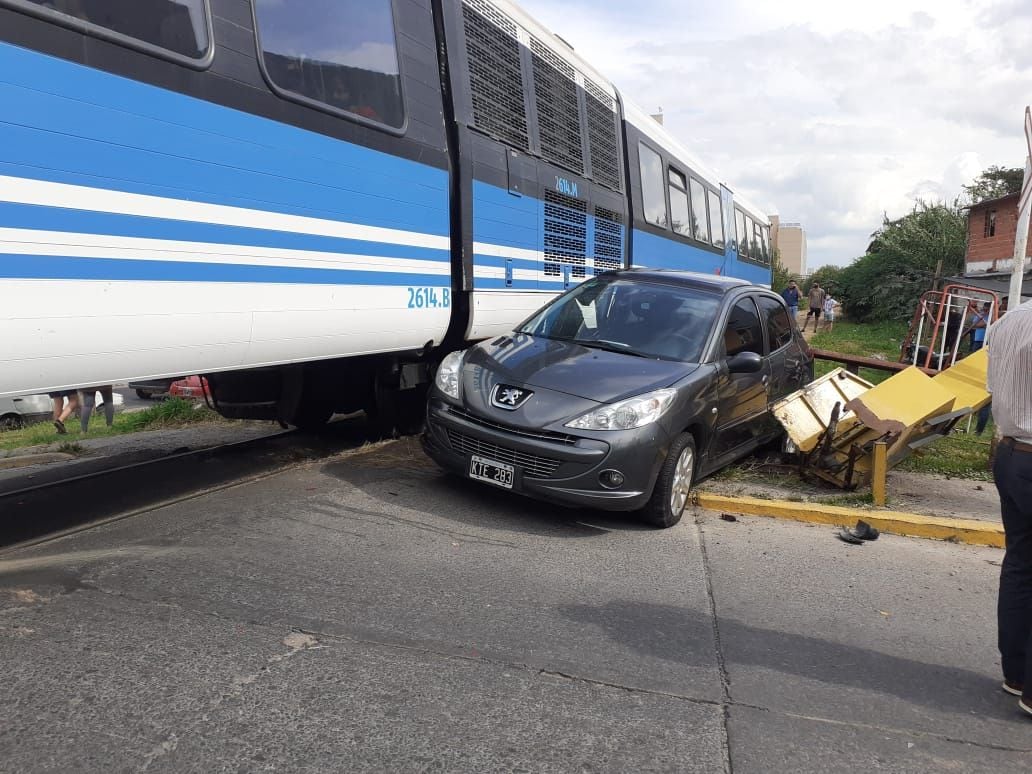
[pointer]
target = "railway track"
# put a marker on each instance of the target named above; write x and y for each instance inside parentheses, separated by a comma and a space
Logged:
(63, 504)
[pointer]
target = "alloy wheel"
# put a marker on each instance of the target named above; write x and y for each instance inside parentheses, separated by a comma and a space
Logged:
(681, 486)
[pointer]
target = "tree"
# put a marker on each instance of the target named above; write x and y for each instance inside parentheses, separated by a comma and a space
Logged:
(781, 274)
(828, 276)
(994, 183)
(901, 262)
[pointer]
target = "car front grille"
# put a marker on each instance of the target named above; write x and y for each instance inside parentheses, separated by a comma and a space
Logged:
(533, 466)
(540, 435)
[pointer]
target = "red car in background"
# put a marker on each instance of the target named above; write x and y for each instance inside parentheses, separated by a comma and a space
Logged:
(190, 388)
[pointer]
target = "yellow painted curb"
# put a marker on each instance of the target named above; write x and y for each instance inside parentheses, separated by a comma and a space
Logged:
(971, 531)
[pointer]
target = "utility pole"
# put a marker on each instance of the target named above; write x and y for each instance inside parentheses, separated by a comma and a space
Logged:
(1024, 212)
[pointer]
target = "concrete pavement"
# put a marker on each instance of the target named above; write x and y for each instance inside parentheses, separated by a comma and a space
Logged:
(372, 614)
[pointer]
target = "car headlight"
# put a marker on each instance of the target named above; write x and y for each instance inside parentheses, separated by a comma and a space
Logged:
(627, 414)
(447, 377)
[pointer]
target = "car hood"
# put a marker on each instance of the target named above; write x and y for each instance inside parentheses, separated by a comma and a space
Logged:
(596, 375)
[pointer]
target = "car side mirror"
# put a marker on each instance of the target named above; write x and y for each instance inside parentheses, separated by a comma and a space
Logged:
(745, 363)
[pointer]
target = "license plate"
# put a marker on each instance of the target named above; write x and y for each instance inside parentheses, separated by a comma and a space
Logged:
(497, 473)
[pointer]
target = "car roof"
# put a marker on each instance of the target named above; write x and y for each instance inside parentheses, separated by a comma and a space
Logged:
(714, 283)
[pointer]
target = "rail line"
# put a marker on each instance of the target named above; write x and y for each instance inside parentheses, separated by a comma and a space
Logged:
(64, 505)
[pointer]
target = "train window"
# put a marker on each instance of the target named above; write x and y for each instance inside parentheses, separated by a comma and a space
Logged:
(338, 54)
(653, 197)
(680, 215)
(764, 242)
(716, 219)
(753, 250)
(700, 225)
(179, 27)
(742, 243)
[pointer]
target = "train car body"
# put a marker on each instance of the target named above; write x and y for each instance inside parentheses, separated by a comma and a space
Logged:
(307, 201)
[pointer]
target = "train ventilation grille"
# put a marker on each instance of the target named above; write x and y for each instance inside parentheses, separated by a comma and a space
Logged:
(566, 235)
(609, 240)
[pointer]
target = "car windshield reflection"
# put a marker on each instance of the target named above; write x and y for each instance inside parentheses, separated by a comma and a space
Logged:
(645, 319)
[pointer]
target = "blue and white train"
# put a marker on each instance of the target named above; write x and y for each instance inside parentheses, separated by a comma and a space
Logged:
(311, 200)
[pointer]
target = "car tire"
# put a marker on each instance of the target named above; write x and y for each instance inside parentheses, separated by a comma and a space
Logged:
(11, 422)
(672, 492)
(143, 395)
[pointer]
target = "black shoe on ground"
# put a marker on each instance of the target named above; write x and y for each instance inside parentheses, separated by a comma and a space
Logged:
(1025, 705)
(1014, 689)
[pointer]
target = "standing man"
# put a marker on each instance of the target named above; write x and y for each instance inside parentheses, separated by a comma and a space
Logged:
(791, 296)
(816, 303)
(1010, 383)
(979, 322)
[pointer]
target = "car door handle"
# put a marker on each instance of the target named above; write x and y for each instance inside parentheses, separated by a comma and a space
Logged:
(765, 379)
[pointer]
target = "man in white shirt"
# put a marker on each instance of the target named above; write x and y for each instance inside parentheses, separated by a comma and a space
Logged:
(1010, 382)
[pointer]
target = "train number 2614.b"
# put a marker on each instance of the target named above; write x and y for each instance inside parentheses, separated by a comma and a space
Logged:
(429, 298)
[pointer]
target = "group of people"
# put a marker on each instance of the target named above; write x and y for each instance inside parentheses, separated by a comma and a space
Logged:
(820, 300)
(66, 402)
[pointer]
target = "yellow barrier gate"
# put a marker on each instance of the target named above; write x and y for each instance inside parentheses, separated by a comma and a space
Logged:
(842, 425)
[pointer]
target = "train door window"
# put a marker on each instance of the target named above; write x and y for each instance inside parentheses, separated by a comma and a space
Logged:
(335, 54)
(742, 243)
(779, 327)
(743, 332)
(700, 223)
(716, 219)
(178, 27)
(653, 195)
(680, 215)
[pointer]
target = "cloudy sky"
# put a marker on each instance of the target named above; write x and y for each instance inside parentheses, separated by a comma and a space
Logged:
(823, 113)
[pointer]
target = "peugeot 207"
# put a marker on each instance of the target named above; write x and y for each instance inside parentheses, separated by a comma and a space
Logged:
(621, 393)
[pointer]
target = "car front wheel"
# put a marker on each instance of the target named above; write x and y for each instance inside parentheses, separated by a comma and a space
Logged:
(673, 488)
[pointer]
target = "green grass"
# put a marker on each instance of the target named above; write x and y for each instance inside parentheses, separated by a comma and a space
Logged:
(881, 340)
(958, 455)
(174, 412)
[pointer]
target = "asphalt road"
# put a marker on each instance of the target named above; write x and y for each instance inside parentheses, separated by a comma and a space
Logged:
(372, 614)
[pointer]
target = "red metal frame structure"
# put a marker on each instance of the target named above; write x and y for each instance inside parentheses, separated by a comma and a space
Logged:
(947, 313)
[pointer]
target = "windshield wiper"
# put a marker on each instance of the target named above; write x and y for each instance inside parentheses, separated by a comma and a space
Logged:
(608, 346)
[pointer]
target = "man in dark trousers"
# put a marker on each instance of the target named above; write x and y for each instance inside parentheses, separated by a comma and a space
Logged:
(1010, 382)
(816, 303)
(791, 296)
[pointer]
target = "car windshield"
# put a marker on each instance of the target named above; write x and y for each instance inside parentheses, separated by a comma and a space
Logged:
(668, 322)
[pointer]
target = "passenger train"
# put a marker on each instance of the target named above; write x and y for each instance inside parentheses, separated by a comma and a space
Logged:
(311, 201)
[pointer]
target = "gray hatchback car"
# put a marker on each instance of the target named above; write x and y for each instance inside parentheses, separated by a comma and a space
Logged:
(621, 393)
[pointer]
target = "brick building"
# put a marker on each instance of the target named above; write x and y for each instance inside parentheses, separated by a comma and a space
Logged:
(992, 226)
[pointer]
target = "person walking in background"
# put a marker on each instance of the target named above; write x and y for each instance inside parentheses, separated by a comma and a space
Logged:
(816, 304)
(65, 403)
(89, 397)
(830, 305)
(791, 296)
(1010, 384)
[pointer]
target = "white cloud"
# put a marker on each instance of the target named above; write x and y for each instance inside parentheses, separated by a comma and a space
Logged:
(824, 113)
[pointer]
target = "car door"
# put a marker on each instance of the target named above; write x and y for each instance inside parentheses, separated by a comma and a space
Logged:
(741, 398)
(785, 359)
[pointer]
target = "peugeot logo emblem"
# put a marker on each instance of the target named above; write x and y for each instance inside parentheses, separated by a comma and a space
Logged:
(508, 397)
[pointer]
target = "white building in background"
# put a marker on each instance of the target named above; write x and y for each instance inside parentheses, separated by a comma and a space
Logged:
(790, 240)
